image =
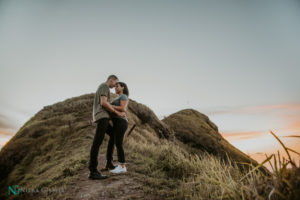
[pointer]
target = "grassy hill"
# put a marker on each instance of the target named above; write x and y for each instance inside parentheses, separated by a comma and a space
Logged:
(199, 134)
(180, 157)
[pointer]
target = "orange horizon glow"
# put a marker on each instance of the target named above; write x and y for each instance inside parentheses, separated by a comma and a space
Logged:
(5, 133)
(4, 140)
(260, 144)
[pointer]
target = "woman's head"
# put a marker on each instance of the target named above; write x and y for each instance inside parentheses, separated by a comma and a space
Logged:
(121, 87)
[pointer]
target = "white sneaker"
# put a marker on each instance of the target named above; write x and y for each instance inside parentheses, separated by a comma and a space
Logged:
(119, 169)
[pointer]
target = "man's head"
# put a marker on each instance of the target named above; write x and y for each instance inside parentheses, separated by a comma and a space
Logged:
(112, 80)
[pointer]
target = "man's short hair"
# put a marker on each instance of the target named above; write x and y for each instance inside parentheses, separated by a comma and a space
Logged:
(113, 76)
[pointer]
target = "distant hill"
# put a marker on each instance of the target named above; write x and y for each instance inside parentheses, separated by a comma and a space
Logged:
(200, 134)
(51, 150)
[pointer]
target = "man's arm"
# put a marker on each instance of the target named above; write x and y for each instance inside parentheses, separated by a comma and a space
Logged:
(107, 106)
(122, 107)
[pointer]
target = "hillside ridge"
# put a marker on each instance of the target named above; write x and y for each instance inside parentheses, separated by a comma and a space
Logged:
(52, 150)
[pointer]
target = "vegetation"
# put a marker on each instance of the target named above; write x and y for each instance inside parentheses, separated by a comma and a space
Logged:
(52, 149)
(172, 173)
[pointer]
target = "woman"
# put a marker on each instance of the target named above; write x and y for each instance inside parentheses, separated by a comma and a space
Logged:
(120, 124)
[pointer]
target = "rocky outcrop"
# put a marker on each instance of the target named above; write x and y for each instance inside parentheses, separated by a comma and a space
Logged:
(197, 131)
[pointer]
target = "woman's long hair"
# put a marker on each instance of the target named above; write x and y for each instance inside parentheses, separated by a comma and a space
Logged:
(125, 91)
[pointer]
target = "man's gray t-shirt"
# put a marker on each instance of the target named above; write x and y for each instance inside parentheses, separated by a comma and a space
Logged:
(117, 102)
(98, 111)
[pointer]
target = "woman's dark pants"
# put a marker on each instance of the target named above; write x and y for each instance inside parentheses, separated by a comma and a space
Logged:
(119, 128)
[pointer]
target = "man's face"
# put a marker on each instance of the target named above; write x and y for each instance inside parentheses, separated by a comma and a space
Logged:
(113, 82)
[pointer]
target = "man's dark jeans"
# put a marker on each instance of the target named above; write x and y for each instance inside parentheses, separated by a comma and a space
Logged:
(103, 127)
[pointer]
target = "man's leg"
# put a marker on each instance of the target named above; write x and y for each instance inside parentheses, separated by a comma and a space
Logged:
(101, 128)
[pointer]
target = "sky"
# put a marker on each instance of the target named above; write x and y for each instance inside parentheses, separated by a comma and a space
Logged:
(238, 62)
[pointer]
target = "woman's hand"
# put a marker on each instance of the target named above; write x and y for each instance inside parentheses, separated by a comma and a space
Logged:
(120, 114)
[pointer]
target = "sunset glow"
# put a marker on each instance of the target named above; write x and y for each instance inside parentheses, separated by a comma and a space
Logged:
(258, 143)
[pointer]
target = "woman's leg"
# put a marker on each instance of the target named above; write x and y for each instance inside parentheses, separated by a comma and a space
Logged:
(121, 127)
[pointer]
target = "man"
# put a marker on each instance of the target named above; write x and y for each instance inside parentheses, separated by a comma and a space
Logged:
(101, 115)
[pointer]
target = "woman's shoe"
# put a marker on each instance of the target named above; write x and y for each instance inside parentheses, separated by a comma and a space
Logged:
(119, 169)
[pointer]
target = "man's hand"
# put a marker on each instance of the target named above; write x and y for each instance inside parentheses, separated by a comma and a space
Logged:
(120, 114)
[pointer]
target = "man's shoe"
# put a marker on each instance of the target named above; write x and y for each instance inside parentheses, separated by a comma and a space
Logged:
(97, 175)
(119, 169)
(109, 166)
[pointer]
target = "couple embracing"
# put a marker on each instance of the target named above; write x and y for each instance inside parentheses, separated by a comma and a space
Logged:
(111, 119)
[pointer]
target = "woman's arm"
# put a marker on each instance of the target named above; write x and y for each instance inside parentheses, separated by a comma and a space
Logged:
(122, 107)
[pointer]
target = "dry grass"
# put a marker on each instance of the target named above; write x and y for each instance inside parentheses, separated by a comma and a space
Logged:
(172, 173)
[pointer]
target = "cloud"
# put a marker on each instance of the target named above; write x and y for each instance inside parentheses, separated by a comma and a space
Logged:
(242, 135)
(7, 127)
(4, 133)
(4, 139)
(6, 123)
(296, 136)
(289, 106)
(283, 117)
(293, 107)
